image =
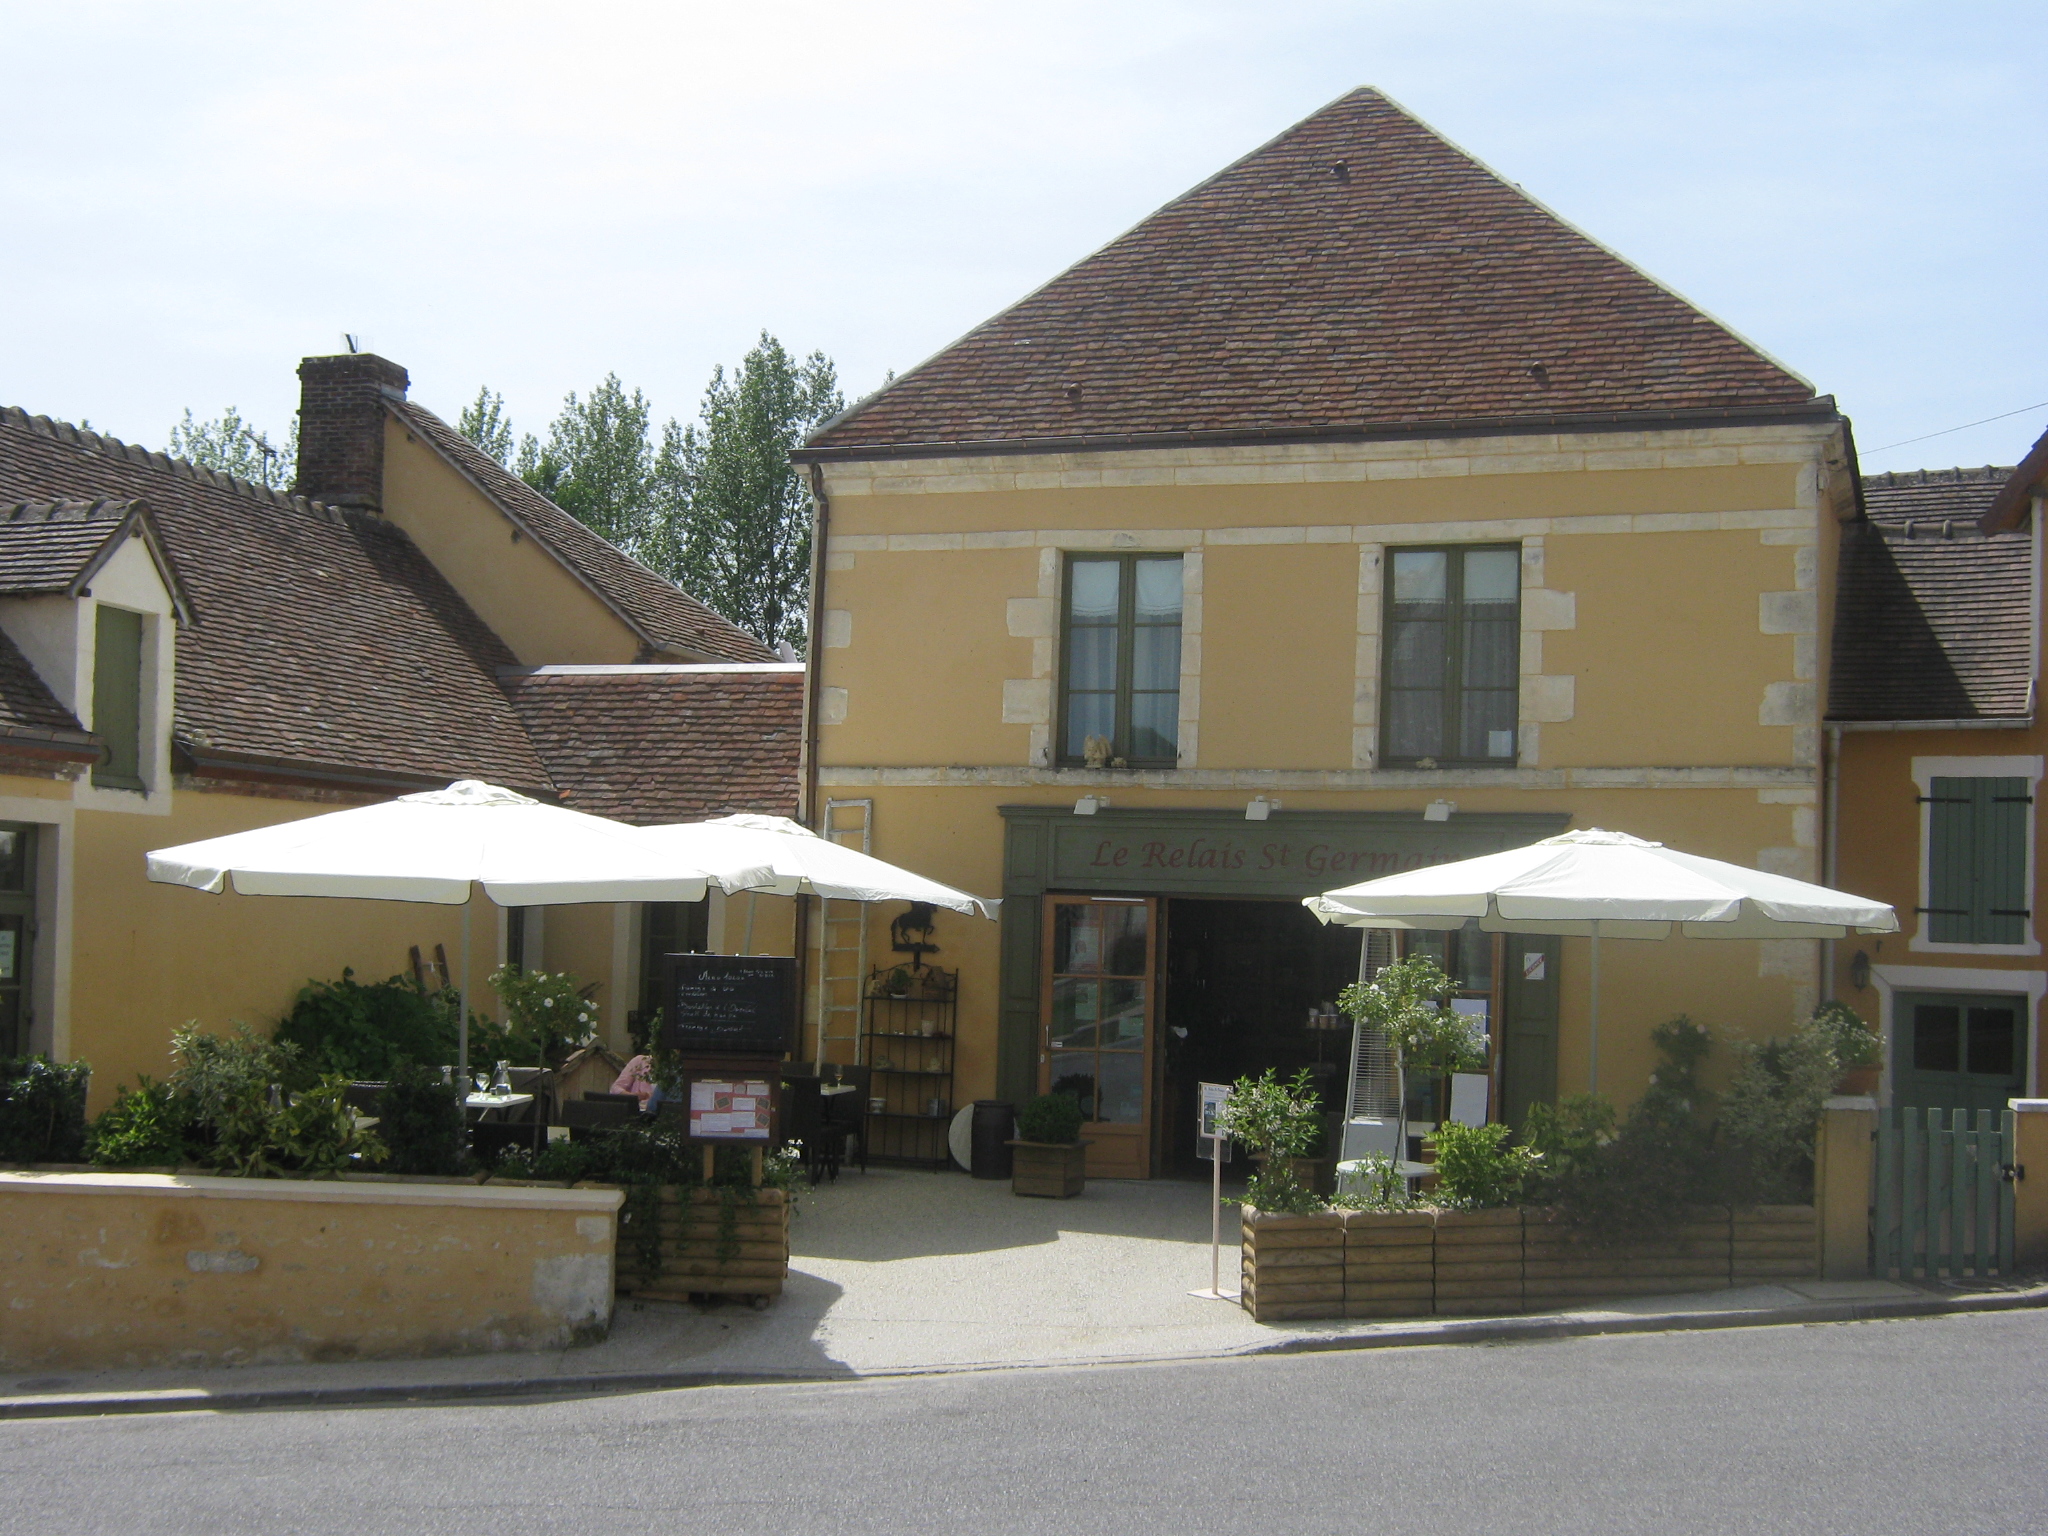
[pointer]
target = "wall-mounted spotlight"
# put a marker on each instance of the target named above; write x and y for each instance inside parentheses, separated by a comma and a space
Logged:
(1259, 808)
(1859, 970)
(1439, 810)
(1088, 805)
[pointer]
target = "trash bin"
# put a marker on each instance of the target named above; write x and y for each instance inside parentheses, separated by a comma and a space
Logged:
(995, 1123)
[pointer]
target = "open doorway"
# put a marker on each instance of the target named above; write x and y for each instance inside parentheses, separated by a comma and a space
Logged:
(1241, 978)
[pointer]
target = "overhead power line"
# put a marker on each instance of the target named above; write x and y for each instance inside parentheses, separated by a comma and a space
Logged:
(1944, 432)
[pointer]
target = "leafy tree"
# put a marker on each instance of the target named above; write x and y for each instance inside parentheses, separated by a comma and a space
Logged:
(597, 464)
(231, 446)
(740, 535)
(484, 422)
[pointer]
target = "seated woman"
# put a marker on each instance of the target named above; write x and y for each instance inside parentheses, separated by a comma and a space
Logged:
(638, 1080)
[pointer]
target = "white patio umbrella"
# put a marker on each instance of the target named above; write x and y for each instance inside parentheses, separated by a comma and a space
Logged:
(437, 847)
(1604, 885)
(805, 864)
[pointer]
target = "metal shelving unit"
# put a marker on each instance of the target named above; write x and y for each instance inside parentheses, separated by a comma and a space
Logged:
(908, 1047)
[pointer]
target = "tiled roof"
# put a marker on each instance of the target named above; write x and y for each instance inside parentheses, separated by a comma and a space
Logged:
(31, 718)
(57, 546)
(1357, 273)
(665, 618)
(324, 641)
(1933, 616)
(667, 743)
(2020, 488)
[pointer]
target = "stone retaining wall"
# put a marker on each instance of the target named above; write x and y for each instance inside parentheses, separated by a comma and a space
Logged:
(143, 1269)
(1485, 1263)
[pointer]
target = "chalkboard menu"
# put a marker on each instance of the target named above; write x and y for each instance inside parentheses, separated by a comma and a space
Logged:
(729, 1005)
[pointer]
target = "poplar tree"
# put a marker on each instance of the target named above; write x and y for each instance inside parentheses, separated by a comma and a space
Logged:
(597, 464)
(230, 445)
(739, 529)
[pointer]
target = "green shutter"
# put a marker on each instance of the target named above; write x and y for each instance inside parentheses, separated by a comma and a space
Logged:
(1977, 861)
(2002, 899)
(117, 696)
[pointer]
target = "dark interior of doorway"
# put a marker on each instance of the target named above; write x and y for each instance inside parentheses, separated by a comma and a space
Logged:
(1240, 980)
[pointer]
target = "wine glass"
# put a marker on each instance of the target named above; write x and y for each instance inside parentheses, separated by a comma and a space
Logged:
(483, 1082)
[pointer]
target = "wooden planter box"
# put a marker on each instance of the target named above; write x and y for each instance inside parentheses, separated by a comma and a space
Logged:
(754, 1262)
(1053, 1169)
(1365, 1264)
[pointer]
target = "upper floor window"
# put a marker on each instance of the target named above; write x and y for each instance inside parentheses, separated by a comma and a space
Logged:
(117, 696)
(1120, 682)
(1977, 860)
(1453, 655)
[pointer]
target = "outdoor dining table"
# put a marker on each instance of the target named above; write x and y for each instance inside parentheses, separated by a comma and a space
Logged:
(487, 1102)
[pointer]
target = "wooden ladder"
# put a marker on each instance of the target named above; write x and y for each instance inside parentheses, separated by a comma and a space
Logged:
(842, 942)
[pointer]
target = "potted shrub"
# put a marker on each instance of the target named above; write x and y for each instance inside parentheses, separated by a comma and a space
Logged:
(1857, 1047)
(1050, 1158)
(1282, 1124)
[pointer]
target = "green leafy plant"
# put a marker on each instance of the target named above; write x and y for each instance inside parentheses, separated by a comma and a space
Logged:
(362, 1030)
(1051, 1117)
(1404, 1002)
(1478, 1167)
(1771, 1112)
(42, 1110)
(227, 1080)
(1278, 1122)
(898, 983)
(548, 1014)
(145, 1126)
(316, 1135)
(1275, 1190)
(1275, 1120)
(1619, 1179)
(419, 1118)
(1854, 1042)
(1371, 1183)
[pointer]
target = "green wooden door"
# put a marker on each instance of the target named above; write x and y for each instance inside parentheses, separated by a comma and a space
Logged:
(1528, 1030)
(1958, 1050)
(17, 934)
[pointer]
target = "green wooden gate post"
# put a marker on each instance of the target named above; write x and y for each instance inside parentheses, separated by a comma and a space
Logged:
(2029, 1157)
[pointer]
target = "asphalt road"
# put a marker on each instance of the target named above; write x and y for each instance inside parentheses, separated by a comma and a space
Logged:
(1931, 1425)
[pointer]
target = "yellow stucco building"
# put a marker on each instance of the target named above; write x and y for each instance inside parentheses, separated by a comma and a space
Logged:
(184, 654)
(1937, 764)
(1349, 513)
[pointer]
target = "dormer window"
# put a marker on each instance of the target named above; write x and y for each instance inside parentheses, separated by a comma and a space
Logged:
(117, 697)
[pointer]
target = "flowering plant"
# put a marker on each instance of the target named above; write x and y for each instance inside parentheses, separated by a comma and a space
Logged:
(548, 1014)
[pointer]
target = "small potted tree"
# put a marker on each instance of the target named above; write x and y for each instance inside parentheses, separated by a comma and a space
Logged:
(1051, 1159)
(1405, 1002)
(1281, 1123)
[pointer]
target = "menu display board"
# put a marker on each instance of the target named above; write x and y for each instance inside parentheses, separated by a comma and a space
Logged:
(731, 1109)
(729, 1005)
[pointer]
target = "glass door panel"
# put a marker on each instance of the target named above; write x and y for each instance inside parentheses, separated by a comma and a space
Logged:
(1099, 1023)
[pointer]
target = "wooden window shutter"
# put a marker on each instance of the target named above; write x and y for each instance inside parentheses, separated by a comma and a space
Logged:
(1977, 861)
(117, 696)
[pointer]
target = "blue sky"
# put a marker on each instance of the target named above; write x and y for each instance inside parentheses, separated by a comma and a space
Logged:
(528, 196)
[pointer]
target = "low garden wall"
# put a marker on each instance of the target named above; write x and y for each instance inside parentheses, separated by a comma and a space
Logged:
(141, 1269)
(711, 1242)
(1484, 1263)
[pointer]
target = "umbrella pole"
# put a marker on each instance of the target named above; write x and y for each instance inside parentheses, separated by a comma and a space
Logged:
(1593, 1047)
(462, 1004)
(747, 948)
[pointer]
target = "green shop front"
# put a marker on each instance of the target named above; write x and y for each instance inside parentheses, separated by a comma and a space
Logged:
(1146, 951)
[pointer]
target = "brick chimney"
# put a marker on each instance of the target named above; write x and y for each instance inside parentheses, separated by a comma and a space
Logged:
(341, 427)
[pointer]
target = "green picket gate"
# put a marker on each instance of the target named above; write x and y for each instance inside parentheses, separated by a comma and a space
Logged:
(1944, 1194)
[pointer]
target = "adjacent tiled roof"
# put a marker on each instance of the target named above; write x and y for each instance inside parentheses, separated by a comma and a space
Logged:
(665, 617)
(31, 716)
(1358, 272)
(323, 640)
(2019, 490)
(57, 546)
(1932, 618)
(667, 743)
